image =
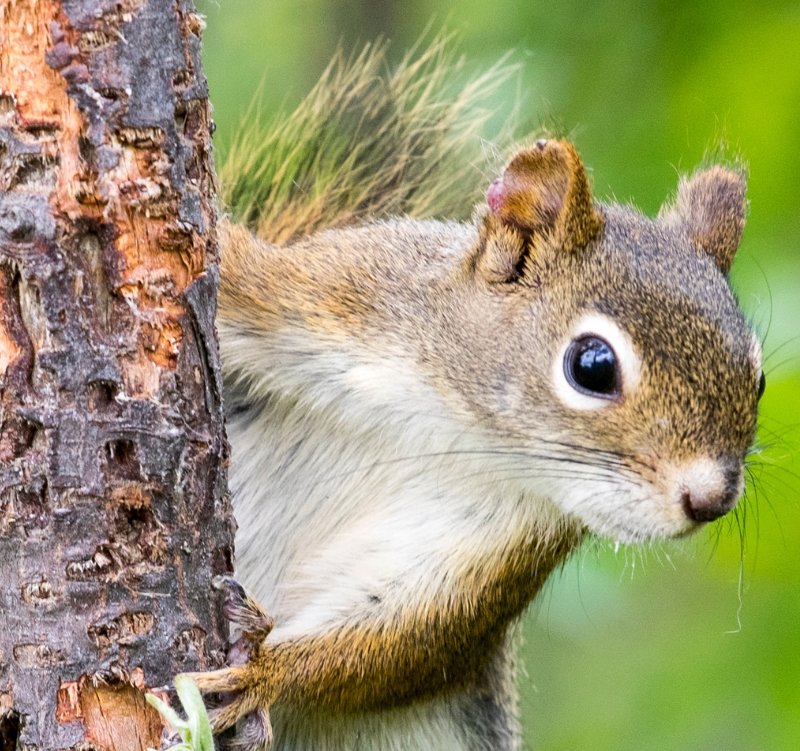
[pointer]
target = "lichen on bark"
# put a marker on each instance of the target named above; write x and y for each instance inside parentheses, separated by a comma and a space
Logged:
(114, 514)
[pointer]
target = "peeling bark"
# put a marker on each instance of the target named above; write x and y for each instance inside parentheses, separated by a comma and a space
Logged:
(113, 507)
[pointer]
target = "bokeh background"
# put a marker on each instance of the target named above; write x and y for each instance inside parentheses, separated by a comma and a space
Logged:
(692, 645)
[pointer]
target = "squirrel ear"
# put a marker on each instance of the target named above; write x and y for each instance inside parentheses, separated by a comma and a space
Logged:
(711, 207)
(543, 194)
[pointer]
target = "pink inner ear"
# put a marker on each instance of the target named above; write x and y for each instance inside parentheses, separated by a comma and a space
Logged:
(496, 195)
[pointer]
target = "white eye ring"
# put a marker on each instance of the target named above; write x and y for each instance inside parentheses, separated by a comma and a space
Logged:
(627, 360)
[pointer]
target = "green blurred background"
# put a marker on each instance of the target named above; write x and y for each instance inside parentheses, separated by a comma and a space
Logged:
(692, 645)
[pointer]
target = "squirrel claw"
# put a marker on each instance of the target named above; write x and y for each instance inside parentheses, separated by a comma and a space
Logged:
(221, 681)
(254, 734)
(242, 610)
(241, 700)
(237, 702)
(234, 709)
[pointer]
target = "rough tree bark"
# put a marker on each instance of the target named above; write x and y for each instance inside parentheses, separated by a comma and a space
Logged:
(113, 507)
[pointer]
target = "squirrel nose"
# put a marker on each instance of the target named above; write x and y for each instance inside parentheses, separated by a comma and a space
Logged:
(710, 489)
(705, 507)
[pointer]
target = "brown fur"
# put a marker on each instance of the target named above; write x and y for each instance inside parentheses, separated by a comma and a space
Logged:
(712, 207)
(543, 198)
(372, 664)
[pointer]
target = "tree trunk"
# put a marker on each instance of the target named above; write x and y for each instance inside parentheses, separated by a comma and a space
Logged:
(113, 507)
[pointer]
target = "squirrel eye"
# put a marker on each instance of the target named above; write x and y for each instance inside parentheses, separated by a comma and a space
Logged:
(762, 384)
(590, 366)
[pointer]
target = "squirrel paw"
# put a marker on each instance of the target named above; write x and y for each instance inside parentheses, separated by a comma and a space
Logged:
(245, 698)
(254, 733)
(242, 610)
(245, 685)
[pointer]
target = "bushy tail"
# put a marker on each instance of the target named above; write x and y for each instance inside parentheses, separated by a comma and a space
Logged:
(367, 142)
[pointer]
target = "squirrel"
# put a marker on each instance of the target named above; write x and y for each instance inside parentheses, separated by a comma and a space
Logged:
(428, 416)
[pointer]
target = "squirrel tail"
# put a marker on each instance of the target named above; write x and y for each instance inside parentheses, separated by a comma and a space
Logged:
(367, 142)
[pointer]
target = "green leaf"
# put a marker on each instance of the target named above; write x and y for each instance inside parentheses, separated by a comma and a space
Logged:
(195, 730)
(197, 715)
(167, 712)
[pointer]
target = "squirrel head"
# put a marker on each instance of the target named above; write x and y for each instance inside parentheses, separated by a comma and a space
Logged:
(618, 358)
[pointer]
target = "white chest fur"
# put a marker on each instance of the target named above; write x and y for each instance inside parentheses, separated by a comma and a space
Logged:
(333, 519)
